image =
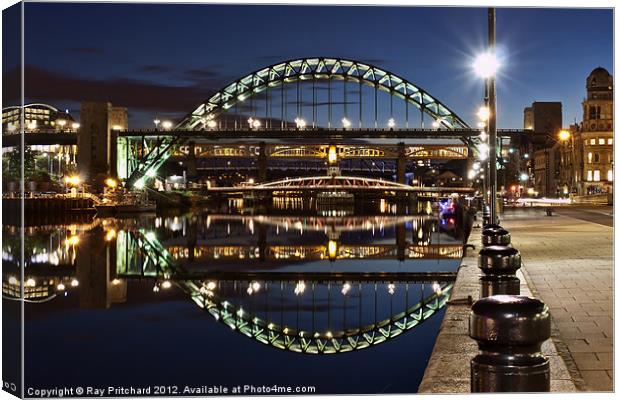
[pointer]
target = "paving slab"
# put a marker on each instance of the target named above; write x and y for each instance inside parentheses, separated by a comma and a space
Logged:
(568, 263)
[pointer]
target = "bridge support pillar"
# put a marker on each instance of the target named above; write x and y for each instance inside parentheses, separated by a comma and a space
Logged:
(262, 163)
(401, 164)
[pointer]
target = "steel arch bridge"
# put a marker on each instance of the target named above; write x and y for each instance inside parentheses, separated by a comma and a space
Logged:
(158, 263)
(293, 72)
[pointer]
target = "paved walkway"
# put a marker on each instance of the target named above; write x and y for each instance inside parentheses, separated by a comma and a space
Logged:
(568, 263)
(448, 370)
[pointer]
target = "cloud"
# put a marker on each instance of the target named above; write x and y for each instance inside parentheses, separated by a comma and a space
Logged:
(48, 86)
(155, 68)
(85, 50)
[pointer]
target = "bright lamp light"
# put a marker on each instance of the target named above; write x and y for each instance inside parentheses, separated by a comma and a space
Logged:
(486, 65)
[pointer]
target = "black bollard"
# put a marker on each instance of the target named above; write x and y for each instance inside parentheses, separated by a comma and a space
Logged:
(499, 265)
(495, 235)
(510, 331)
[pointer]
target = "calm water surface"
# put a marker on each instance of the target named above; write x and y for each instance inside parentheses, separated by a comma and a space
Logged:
(343, 299)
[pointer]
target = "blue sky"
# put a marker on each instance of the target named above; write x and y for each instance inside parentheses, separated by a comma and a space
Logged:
(165, 59)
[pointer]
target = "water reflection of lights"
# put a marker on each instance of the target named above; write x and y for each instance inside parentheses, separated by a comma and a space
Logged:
(391, 288)
(300, 288)
(345, 288)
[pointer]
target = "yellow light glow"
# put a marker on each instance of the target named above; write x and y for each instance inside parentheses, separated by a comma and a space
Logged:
(110, 235)
(75, 125)
(332, 155)
(31, 282)
(484, 113)
(116, 281)
(72, 180)
(60, 286)
(75, 283)
(72, 240)
(32, 125)
(332, 248)
(111, 183)
(61, 122)
(166, 285)
(564, 135)
(166, 124)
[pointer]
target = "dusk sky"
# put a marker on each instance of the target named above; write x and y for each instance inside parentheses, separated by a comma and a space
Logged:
(166, 59)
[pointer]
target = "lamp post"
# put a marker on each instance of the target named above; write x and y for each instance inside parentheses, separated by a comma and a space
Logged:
(486, 65)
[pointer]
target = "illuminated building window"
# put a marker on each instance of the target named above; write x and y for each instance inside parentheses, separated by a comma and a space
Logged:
(601, 140)
(592, 142)
(589, 179)
(590, 157)
(610, 175)
(610, 141)
(597, 175)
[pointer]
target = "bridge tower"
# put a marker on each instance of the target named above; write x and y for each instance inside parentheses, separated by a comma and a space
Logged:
(97, 139)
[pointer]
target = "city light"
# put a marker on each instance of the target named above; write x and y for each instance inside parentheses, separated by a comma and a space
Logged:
(346, 123)
(139, 184)
(32, 125)
(72, 240)
(110, 235)
(436, 123)
(484, 113)
(72, 180)
(166, 125)
(471, 174)
(31, 282)
(524, 176)
(166, 284)
(116, 127)
(211, 124)
(75, 282)
(75, 125)
(486, 65)
(111, 183)
(300, 123)
(61, 123)
(332, 155)
(391, 123)
(332, 249)
(60, 287)
(564, 135)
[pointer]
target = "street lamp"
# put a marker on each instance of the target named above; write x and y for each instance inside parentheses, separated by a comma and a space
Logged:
(524, 176)
(486, 65)
(166, 125)
(391, 123)
(346, 123)
(564, 135)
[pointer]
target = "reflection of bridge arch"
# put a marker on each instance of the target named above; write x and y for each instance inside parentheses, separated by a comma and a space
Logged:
(292, 71)
(284, 336)
(324, 342)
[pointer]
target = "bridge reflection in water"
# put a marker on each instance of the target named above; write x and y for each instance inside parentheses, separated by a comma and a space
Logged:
(303, 283)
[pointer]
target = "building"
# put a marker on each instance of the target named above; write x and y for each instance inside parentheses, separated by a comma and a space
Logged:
(56, 159)
(534, 152)
(593, 141)
(37, 117)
